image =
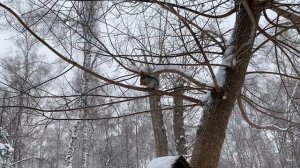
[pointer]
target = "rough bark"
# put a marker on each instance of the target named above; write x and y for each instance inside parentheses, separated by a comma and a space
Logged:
(178, 122)
(212, 129)
(160, 137)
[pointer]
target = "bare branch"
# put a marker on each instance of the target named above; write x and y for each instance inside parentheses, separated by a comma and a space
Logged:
(244, 115)
(70, 61)
(281, 11)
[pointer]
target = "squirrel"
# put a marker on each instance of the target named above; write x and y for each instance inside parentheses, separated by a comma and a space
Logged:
(150, 82)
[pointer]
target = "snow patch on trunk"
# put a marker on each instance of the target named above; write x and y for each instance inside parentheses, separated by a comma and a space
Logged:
(227, 61)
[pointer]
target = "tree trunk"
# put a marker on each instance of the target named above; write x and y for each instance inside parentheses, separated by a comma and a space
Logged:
(18, 134)
(212, 129)
(72, 145)
(85, 153)
(88, 10)
(160, 137)
(88, 26)
(178, 122)
(84, 101)
(2, 117)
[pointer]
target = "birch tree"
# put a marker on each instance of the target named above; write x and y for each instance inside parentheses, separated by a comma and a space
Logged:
(87, 12)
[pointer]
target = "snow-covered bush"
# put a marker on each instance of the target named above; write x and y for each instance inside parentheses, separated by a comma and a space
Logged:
(5, 147)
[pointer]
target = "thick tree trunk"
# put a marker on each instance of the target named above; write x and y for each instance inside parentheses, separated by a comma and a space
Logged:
(178, 122)
(160, 137)
(212, 130)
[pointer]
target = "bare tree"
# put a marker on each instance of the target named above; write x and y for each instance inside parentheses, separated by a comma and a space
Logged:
(87, 12)
(219, 62)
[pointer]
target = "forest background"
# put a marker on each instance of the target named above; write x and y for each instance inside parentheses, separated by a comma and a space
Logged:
(228, 71)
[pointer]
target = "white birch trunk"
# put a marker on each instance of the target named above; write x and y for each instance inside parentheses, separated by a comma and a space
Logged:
(89, 30)
(84, 144)
(72, 146)
(88, 10)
